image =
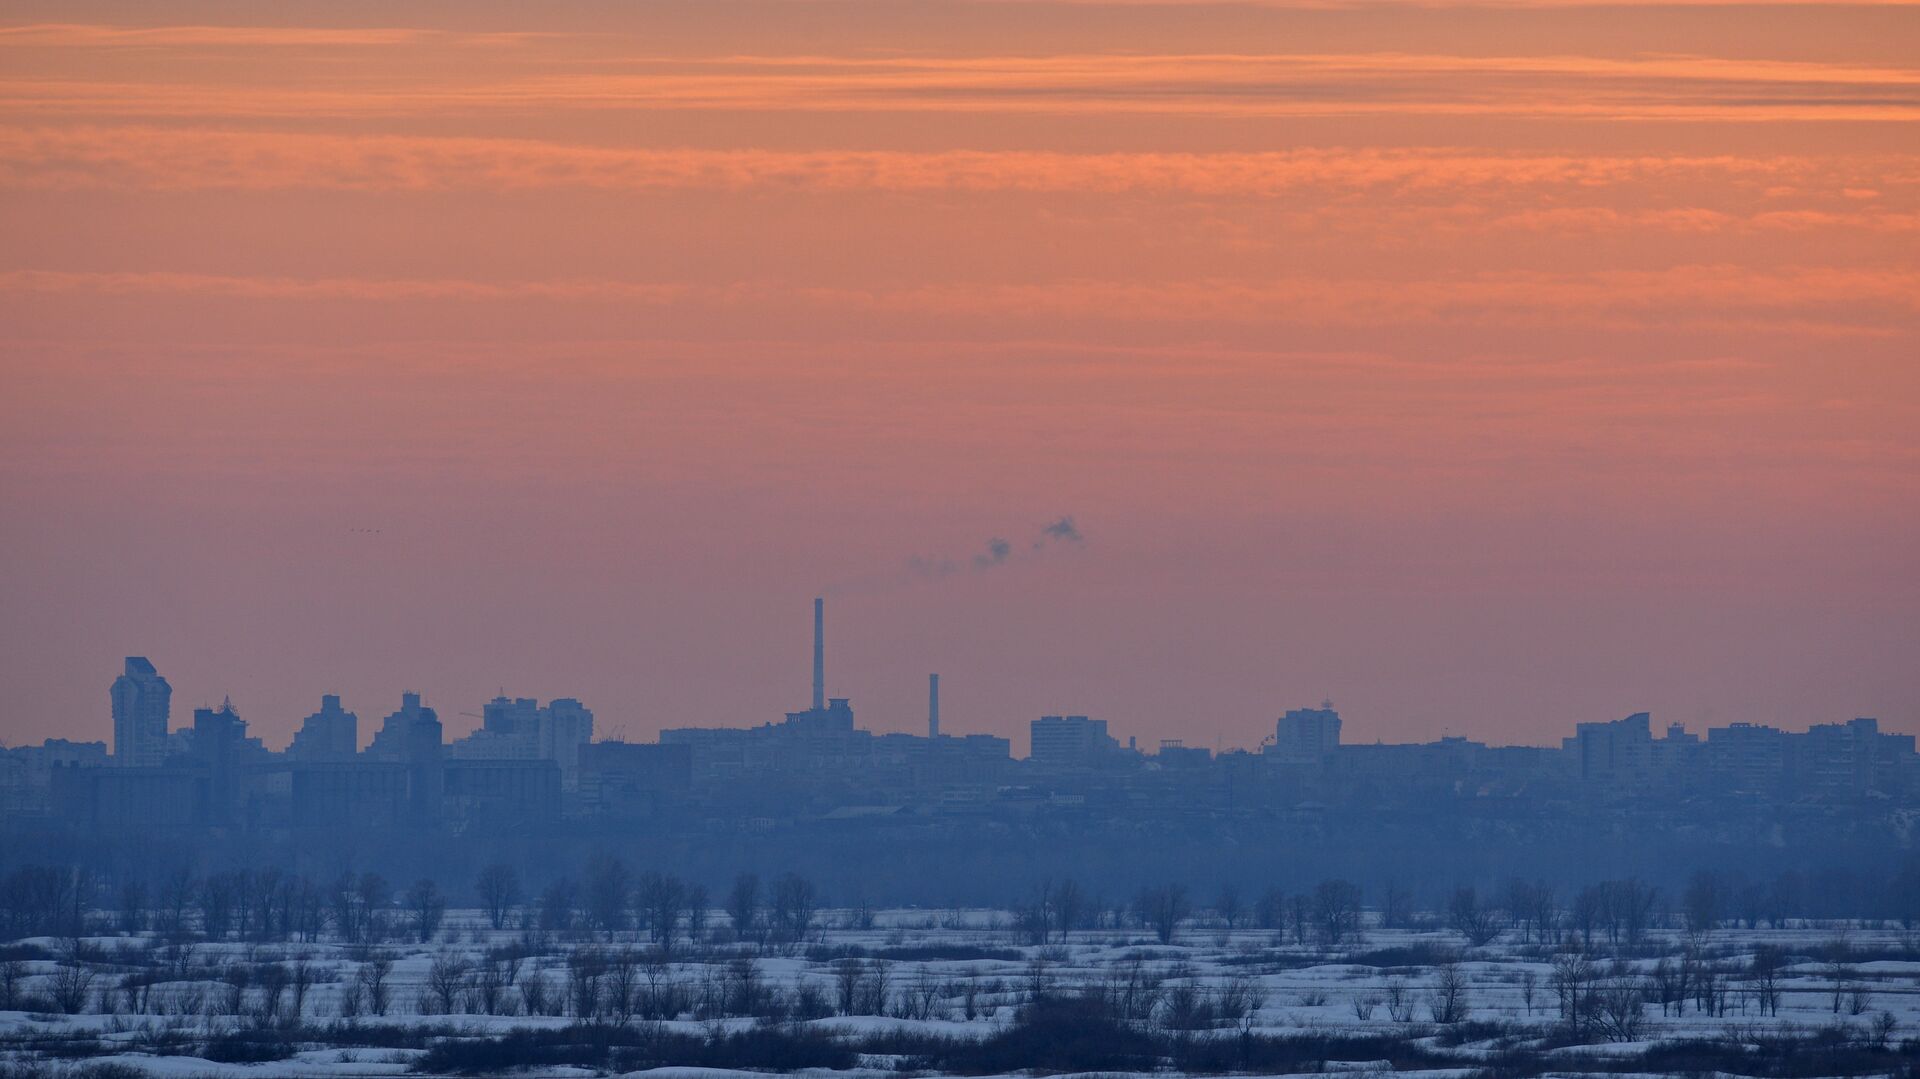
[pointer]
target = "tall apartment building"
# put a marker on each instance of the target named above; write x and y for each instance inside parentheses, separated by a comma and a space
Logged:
(142, 703)
(1070, 741)
(1306, 736)
(331, 734)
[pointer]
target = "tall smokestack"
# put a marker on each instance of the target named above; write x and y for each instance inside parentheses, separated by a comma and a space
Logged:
(933, 706)
(819, 653)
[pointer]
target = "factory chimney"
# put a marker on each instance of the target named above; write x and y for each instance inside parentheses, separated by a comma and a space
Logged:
(819, 654)
(933, 706)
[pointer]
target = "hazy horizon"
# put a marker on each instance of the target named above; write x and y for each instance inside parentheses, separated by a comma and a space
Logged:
(1485, 369)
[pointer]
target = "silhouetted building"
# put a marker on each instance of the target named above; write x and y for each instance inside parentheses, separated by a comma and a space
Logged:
(628, 780)
(26, 774)
(500, 794)
(1850, 760)
(222, 754)
(121, 800)
(521, 729)
(1306, 736)
(1747, 758)
(403, 733)
(1069, 741)
(1178, 755)
(331, 734)
(142, 703)
(1618, 754)
(347, 795)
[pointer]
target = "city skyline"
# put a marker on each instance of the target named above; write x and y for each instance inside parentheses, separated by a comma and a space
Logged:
(1481, 366)
(539, 768)
(141, 672)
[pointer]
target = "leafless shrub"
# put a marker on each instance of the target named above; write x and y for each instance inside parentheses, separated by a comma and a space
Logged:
(1447, 1001)
(373, 984)
(1399, 1001)
(69, 988)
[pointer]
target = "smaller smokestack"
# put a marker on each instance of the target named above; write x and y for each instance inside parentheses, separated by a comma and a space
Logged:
(933, 706)
(819, 653)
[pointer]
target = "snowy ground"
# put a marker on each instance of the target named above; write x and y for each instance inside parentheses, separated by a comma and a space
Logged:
(933, 964)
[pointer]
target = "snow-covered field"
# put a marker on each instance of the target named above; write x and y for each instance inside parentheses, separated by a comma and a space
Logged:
(118, 1005)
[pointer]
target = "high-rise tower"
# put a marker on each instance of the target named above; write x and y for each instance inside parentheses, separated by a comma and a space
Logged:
(142, 702)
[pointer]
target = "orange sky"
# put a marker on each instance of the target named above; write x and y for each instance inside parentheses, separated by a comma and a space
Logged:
(1484, 367)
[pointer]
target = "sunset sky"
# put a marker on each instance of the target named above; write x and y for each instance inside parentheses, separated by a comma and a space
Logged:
(1485, 368)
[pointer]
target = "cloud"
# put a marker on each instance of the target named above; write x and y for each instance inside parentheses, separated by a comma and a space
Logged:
(1809, 299)
(97, 36)
(1647, 87)
(134, 157)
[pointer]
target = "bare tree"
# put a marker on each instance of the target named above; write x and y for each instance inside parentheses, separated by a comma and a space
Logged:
(663, 992)
(1163, 908)
(299, 980)
(793, 907)
(445, 980)
(1477, 922)
(1881, 1032)
(370, 895)
(1859, 998)
(1336, 911)
(13, 975)
(1632, 906)
(1621, 1008)
(499, 889)
(624, 991)
(1228, 906)
(1763, 974)
(1572, 982)
(176, 898)
(1588, 913)
(537, 994)
(426, 907)
(373, 984)
(69, 987)
(218, 896)
(1399, 1001)
(661, 898)
(272, 980)
(585, 968)
(1838, 964)
(558, 905)
(699, 907)
(847, 976)
(1448, 998)
(1034, 919)
(238, 978)
(743, 906)
(861, 914)
(1069, 906)
(1300, 916)
(1530, 909)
